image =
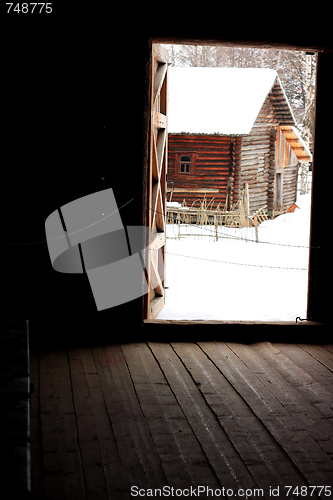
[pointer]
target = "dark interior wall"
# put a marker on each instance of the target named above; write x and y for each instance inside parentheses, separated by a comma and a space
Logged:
(71, 125)
(320, 278)
(73, 113)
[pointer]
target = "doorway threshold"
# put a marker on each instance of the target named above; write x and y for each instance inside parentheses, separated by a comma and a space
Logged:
(199, 322)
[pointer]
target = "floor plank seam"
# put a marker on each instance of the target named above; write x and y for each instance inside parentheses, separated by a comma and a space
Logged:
(144, 417)
(314, 357)
(290, 353)
(234, 388)
(216, 418)
(298, 383)
(263, 383)
(76, 425)
(297, 417)
(99, 371)
(329, 348)
(299, 397)
(258, 417)
(217, 428)
(189, 424)
(175, 396)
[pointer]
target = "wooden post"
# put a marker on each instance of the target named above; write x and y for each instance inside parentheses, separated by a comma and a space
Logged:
(246, 199)
(256, 228)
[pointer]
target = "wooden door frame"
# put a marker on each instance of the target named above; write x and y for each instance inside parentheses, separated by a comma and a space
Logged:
(312, 301)
(156, 158)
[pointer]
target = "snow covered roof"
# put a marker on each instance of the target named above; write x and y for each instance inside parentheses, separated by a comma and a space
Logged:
(224, 101)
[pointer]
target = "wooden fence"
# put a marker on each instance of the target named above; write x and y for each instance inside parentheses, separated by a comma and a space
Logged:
(202, 214)
(210, 232)
(200, 220)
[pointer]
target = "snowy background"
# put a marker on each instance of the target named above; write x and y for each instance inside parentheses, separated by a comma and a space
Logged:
(236, 289)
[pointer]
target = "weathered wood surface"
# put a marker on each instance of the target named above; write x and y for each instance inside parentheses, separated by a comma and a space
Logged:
(157, 171)
(181, 415)
(216, 160)
(256, 158)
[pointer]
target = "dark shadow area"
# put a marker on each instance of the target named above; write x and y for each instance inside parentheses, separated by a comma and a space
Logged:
(97, 329)
(63, 138)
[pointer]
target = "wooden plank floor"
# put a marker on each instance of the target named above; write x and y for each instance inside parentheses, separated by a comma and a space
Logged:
(224, 419)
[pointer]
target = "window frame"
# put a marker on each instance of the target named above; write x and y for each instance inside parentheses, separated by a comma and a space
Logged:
(185, 163)
(178, 163)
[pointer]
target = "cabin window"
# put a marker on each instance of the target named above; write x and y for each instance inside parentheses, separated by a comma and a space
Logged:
(186, 163)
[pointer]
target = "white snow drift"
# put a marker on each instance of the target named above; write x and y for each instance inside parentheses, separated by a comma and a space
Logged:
(235, 288)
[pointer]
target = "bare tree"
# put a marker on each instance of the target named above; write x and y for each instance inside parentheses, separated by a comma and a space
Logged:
(299, 84)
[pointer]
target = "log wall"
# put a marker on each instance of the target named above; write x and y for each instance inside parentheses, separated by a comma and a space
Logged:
(289, 185)
(287, 163)
(256, 168)
(217, 160)
(271, 198)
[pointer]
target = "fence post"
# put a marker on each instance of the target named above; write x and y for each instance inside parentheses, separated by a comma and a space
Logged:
(256, 228)
(246, 199)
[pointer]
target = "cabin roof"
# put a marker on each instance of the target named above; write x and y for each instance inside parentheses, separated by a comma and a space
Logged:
(296, 142)
(223, 101)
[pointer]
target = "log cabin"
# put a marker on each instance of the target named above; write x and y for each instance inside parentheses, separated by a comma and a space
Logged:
(229, 127)
(86, 410)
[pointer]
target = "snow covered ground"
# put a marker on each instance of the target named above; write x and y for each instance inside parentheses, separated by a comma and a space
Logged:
(235, 289)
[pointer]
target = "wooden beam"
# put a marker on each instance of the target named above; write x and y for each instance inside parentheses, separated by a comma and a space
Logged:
(157, 207)
(218, 323)
(196, 190)
(160, 53)
(313, 46)
(155, 279)
(155, 306)
(158, 241)
(160, 147)
(159, 120)
(154, 167)
(159, 79)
